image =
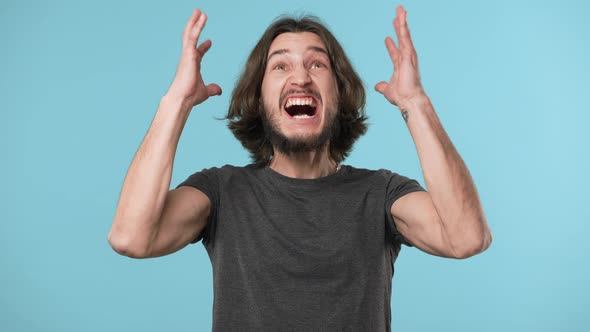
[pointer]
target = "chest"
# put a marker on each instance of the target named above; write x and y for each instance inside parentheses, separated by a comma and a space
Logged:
(319, 232)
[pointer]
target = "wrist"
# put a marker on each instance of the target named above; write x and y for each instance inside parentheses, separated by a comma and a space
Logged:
(417, 102)
(417, 108)
(170, 101)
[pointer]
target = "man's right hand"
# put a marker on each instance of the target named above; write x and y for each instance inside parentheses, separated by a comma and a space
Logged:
(188, 86)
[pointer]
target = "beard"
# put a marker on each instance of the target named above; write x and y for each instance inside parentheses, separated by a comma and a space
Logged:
(293, 145)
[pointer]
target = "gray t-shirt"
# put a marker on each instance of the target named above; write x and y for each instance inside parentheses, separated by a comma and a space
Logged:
(301, 254)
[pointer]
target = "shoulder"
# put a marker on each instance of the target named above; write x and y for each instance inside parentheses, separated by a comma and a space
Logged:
(211, 177)
(391, 181)
(228, 170)
(231, 171)
(369, 174)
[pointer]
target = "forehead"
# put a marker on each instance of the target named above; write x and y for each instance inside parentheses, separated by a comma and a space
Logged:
(296, 42)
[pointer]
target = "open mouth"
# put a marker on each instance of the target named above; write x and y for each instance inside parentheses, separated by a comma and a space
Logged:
(301, 107)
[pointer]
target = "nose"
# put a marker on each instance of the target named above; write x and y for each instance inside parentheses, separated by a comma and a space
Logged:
(300, 76)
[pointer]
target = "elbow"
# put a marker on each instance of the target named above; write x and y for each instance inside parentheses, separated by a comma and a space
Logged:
(123, 245)
(475, 246)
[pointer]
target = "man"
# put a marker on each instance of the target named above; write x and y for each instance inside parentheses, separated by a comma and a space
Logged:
(297, 240)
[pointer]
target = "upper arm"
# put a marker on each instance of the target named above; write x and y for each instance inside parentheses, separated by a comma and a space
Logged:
(417, 220)
(184, 216)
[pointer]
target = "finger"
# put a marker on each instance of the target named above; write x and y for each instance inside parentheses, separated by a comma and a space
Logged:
(399, 10)
(392, 50)
(381, 86)
(405, 32)
(204, 47)
(213, 90)
(397, 31)
(195, 32)
(189, 25)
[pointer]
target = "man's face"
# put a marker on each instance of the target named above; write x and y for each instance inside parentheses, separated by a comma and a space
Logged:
(299, 93)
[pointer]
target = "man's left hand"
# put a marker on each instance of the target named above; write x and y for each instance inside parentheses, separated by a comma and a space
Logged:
(404, 84)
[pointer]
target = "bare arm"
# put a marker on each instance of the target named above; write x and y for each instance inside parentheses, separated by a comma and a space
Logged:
(448, 220)
(150, 219)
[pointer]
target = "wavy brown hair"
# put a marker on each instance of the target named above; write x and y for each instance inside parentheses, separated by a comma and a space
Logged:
(245, 120)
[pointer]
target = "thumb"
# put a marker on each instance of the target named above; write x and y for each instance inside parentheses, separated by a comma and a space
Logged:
(213, 90)
(381, 86)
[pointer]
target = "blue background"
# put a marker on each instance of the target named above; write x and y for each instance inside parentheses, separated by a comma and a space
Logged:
(80, 83)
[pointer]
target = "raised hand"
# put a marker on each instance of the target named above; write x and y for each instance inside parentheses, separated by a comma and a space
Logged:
(188, 85)
(404, 84)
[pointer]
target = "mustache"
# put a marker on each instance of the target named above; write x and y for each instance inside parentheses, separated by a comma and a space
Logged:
(298, 91)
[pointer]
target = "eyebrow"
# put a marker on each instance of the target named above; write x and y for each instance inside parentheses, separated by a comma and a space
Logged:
(310, 48)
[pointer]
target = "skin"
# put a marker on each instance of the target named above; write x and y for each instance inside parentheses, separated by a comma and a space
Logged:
(298, 66)
(188, 85)
(152, 220)
(448, 220)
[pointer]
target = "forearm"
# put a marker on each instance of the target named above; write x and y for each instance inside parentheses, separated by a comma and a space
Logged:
(447, 178)
(147, 183)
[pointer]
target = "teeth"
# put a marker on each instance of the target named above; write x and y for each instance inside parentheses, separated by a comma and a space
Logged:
(302, 116)
(300, 101)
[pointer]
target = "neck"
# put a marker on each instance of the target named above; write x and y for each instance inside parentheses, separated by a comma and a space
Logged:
(304, 165)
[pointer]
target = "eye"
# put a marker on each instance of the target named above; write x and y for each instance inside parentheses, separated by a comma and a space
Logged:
(279, 67)
(317, 64)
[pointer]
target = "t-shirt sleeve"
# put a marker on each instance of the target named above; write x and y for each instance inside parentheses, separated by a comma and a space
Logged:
(207, 182)
(398, 186)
